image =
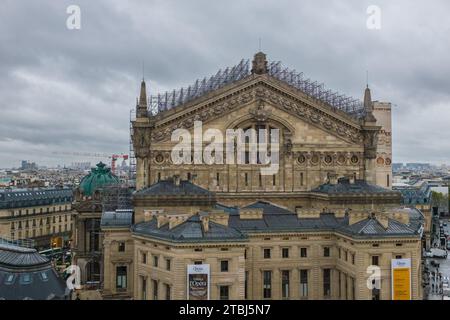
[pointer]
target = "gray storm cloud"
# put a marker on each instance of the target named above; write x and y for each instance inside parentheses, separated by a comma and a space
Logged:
(71, 90)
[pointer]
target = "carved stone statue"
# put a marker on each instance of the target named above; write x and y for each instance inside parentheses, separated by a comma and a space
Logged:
(260, 113)
(259, 63)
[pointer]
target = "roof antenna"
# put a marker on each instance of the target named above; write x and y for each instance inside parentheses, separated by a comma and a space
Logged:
(143, 71)
(367, 78)
(259, 39)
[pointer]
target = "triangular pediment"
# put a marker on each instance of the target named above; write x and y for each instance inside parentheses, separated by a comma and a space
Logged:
(251, 90)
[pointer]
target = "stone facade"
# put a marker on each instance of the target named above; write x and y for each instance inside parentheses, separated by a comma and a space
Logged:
(309, 231)
(39, 215)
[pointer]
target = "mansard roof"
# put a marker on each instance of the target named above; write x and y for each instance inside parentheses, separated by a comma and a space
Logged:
(190, 230)
(344, 186)
(118, 218)
(12, 256)
(170, 187)
(27, 275)
(22, 198)
(275, 219)
(371, 227)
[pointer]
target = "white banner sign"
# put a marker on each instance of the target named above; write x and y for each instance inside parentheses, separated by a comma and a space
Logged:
(198, 282)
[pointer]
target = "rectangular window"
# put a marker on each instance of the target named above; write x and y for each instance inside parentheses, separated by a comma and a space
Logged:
(375, 294)
(339, 253)
(267, 284)
(303, 252)
(274, 180)
(121, 277)
(260, 180)
(167, 289)
(285, 284)
(303, 283)
(168, 264)
(144, 288)
(246, 285)
(247, 157)
(266, 253)
(155, 289)
(326, 283)
(346, 287)
(353, 258)
(339, 284)
(326, 251)
(224, 266)
(144, 258)
(301, 178)
(246, 179)
(353, 289)
(285, 253)
(218, 178)
(375, 260)
(399, 256)
(155, 261)
(121, 246)
(224, 292)
(198, 262)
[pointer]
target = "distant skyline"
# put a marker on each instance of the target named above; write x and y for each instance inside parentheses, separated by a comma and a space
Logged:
(72, 90)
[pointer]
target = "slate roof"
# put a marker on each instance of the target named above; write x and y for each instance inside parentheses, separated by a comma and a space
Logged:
(169, 188)
(279, 219)
(21, 198)
(275, 219)
(117, 218)
(371, 227)
(345, 187)
(415, 195)
(12, 256)
(44, 284)
(189, 231)
(25, 275)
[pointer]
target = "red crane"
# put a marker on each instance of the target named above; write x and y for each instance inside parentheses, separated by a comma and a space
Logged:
(114, 158)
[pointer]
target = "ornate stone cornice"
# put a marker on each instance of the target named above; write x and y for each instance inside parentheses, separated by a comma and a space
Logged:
(258, 90)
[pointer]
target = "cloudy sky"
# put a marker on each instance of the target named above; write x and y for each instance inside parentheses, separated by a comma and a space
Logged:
(65, 91)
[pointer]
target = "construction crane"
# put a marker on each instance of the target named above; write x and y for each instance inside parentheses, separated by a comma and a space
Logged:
(113, 157)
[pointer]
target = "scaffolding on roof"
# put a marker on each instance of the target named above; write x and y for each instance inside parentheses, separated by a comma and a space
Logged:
(316, 90)
(132, 157)
(168, 100)
(313, 89)
(116, 196)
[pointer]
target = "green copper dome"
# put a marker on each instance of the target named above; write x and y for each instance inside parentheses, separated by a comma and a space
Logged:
(98, 177)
